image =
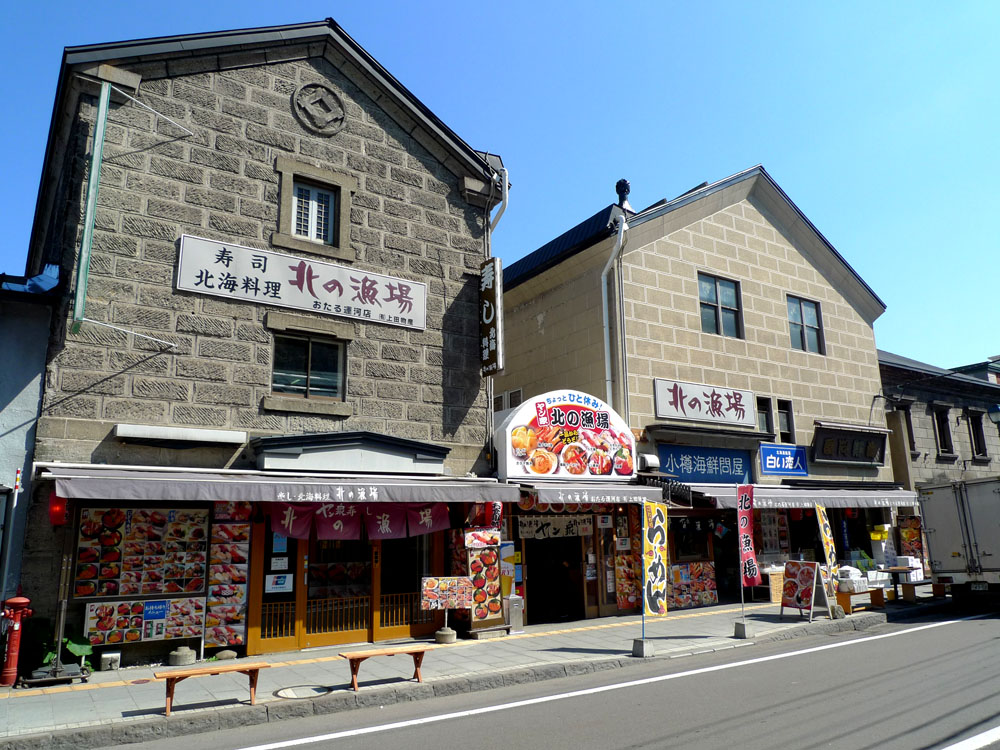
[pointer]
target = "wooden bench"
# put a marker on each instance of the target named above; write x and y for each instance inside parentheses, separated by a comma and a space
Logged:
(876, 598)
(910, 589)
(252, 670)
(415, 650)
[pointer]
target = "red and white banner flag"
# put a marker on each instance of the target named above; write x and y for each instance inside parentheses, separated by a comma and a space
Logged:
(749, 571)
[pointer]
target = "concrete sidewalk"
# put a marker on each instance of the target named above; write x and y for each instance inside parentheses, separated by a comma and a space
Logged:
(127, 705)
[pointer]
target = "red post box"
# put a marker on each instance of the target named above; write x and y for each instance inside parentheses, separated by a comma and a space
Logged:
(15, 610)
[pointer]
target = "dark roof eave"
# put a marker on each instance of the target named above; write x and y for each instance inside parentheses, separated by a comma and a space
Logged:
(352, 438)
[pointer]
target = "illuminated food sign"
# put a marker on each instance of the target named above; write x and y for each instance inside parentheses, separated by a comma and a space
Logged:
(564, 435)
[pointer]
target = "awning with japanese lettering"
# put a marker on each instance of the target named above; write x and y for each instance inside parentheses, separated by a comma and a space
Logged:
(773, 496)
(126, 484)
(593, 493)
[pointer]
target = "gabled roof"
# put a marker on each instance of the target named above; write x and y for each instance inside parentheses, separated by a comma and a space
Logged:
(756, 178)
(247, 42)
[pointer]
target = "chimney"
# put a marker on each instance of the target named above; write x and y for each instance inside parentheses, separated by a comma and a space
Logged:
(623, 189)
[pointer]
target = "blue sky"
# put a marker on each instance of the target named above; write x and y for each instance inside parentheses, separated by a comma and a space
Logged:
(879, 120)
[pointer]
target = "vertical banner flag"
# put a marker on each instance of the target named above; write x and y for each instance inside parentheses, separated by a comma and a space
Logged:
(829, 551)
(748, 558)
(655, 558)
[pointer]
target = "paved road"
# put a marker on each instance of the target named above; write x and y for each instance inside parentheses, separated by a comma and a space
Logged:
(918, 685)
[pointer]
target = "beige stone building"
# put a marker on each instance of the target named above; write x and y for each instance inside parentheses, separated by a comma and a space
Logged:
(739, 346)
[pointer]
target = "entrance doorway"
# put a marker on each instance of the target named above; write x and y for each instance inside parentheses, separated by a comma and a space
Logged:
(554, 579)
(316, 592)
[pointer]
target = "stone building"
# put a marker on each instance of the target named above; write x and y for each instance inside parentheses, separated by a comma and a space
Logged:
(739, 345)
(942, 431)
(278, 267)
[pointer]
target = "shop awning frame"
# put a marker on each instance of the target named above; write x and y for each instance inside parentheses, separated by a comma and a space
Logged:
(594, 492)
(123, 483)
(777, 496)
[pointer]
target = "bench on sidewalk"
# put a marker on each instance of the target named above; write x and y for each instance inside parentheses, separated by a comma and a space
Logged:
(252, 670)
(910, 589)
(876, 598)
(415, 650)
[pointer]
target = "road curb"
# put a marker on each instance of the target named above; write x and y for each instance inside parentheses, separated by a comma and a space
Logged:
(208, 720)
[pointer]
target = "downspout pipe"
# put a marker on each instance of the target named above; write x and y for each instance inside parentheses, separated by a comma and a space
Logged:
(503, 199)
(622, 226)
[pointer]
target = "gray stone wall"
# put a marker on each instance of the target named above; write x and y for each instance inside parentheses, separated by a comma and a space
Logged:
(407, 219)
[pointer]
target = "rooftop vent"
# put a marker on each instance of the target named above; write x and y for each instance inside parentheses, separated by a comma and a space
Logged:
(623, 188)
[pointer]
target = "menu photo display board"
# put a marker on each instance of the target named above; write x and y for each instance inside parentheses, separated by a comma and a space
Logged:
(228, 574)
(111, 623)
(140, 552)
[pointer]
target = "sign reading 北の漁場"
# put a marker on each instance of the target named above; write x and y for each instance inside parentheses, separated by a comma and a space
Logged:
(242, 273)
(563, 435)
(674, 399)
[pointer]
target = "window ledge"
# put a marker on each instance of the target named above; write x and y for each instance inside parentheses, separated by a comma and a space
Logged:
(915, 455)
(947, 457)
(981, 460)
(307, 406)
(288, 242)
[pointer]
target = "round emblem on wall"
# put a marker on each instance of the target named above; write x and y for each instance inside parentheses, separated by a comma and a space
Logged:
(319, 108)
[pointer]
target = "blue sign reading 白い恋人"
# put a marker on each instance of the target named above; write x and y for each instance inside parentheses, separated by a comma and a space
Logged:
(718, 465)
(783, 460)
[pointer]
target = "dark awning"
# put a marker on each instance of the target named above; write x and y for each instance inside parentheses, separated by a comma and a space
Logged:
(596, 492)
(95, 483)
(776, 496)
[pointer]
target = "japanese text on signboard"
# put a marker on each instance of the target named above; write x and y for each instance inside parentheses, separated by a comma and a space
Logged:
(655, 560)
(236, 272)
(703, 403)
(750, 573)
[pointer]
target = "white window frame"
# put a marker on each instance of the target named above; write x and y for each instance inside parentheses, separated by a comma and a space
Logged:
(313, 211)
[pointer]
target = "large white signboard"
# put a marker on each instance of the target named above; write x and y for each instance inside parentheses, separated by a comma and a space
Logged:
(703, 403)
(563, 435)
(237, 272)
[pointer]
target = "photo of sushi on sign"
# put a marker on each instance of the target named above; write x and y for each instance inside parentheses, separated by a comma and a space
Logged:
(565, 435)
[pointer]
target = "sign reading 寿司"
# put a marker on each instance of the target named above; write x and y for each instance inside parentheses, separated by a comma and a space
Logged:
(565, 435)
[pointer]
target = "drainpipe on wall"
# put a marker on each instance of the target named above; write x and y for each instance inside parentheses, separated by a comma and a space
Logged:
(619, 242)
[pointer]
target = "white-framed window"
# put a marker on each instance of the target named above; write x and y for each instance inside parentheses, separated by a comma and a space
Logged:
(507, 400)
(315, 212)
(314, 209)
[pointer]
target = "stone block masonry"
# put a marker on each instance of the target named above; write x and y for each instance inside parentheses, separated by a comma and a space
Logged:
(408, 219)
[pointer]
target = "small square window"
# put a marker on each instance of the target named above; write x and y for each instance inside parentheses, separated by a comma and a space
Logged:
(804, 326)
(720, 306)
(308, 367)
(314, 209)
(513, 398)
(315, 213)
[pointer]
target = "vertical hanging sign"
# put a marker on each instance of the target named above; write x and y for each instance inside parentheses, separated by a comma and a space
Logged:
(491, 316)
(655, 559)
(750, 573)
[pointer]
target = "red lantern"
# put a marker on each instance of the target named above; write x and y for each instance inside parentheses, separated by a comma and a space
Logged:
(851, 512)
(796, 514)
(58, 512)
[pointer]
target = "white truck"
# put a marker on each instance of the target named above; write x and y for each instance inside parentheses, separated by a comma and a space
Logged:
(962, 524)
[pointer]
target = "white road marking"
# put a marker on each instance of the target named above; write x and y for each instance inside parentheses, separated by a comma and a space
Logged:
(980, 740)
(603, 689)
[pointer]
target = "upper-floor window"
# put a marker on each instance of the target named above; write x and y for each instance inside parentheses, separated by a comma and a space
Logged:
(976, 434)
(720, 306)
(804, 325)
(308, 366)
(314, 209)
(942, 429)
(507, 400)
(764, 420)
(315, 213)
(786, 424)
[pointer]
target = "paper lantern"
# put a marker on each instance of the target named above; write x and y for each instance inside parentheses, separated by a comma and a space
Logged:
(58, 511)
